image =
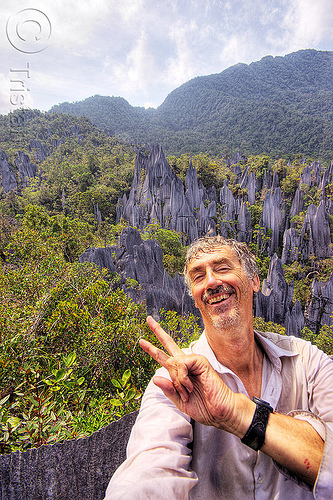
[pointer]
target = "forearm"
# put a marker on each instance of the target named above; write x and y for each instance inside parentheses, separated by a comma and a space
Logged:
(295, 445)
(292, 443)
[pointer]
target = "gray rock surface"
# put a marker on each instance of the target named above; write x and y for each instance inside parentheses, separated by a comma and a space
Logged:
(142, 261)
(39, 150)
(274, 302)
(77, 469)
(26, 169)
(294, 320)
(315, 234)
(8, 178)
(244, 230)
(291, 246)
(320, 308)
(273, 217)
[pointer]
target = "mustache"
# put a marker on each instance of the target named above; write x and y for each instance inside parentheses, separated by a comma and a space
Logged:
(216, 291)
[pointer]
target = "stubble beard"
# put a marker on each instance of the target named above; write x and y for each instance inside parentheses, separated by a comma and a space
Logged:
(222, 318)
(227, 320)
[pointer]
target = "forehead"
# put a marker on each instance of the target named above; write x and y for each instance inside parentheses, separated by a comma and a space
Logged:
(215, 255)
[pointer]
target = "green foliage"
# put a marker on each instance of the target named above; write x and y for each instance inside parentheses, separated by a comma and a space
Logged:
(127, 395)
(256, 212)
(51, 307)
(267, 326)
(171, 244)
(290, 182)
(302, 274)
(258, 164)
(85, 167)
(184, 329)
(55, 405)
(323, 340)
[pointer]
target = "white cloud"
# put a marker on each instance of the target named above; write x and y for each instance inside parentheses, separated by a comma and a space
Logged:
(308, 23)
(143, 49)
(14, 92)
(180, 67)
(4, 94)
(149, 104)
(138, 70)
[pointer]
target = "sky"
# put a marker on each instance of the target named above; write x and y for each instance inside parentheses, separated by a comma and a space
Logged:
(66, 50)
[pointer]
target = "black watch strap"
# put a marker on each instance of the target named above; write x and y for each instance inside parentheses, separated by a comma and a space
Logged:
(255, 435)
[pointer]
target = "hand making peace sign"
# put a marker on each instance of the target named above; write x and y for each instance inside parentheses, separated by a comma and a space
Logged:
(195, 387)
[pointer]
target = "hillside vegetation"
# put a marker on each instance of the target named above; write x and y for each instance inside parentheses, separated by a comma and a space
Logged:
(69, 355)
(277, 106)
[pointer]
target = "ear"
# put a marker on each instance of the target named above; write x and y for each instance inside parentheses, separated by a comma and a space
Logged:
(256, 283)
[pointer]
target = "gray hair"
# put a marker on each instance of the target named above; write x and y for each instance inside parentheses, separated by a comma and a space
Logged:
(208, 244)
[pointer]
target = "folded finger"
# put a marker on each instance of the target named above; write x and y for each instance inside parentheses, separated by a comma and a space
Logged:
(179, 375)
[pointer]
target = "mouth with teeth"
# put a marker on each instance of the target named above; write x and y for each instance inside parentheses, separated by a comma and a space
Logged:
(217, 296)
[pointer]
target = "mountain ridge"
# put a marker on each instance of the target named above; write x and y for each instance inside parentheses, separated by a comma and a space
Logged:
(269, 106)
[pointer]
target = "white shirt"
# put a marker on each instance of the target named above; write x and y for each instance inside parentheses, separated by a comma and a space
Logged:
(169, 458)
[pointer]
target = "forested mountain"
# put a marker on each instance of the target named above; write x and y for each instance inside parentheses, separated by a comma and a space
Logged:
(69, 194)
(277, 106)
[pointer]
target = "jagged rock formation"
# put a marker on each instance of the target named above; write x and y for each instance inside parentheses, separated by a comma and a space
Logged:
(24, 168)
(273, 217)
(39, 150)
(142, 261)
(76, 469)
(274, 302)
(8, 178)
(314, 237)
(157, 194)
(320, 307)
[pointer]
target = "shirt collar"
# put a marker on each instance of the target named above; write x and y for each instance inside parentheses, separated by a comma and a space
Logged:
(275, 347)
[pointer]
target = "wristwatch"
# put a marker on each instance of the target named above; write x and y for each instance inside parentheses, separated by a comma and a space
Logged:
(255, 435)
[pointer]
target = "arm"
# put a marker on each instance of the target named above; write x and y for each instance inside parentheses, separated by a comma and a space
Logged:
(158, 453)
(197, 390)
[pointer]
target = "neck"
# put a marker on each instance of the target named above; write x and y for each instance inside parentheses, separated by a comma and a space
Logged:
(237, 349)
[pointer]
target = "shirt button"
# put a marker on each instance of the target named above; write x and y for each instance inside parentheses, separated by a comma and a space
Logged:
(260, 480)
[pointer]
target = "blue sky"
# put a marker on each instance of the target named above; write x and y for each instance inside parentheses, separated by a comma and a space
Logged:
(66, 50)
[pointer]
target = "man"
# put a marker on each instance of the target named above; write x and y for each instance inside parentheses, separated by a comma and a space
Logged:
(212, 407)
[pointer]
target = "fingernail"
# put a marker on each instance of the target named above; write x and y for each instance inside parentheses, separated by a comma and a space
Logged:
(184, 398)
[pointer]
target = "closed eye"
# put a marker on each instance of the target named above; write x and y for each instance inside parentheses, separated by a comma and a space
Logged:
(197, 277)
(222, 269)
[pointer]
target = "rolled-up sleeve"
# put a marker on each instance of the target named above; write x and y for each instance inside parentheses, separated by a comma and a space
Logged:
(319, 374)
(320, 389)
(158, 453)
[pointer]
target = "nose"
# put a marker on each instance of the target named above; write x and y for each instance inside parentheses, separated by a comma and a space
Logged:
(211, 278)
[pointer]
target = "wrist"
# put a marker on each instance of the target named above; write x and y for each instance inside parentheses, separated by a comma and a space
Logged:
(242, 415)
(255, 435)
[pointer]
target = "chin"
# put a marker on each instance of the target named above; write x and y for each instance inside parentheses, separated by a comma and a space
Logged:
(226, 320)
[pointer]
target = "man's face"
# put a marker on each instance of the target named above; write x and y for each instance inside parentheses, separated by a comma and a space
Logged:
(221, 289)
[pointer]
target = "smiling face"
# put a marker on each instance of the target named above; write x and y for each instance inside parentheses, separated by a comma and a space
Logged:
(221, 289)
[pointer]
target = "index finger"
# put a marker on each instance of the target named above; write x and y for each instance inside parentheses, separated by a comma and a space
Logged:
(167, 342)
